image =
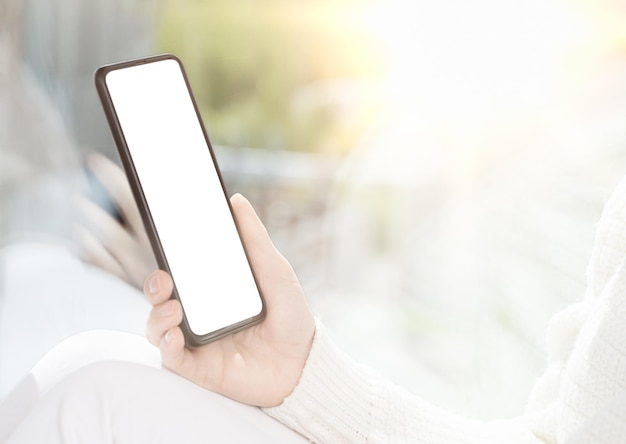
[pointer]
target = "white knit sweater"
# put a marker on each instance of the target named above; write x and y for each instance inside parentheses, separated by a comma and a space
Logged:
(580, 398)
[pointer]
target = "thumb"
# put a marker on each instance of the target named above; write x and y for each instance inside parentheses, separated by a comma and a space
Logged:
(270, 267)
(252, 231)
(263, 255)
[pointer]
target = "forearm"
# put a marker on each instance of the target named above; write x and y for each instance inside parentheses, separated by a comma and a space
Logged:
(338, 400)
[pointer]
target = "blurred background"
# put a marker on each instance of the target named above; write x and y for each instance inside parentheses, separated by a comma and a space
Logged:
(432, 169)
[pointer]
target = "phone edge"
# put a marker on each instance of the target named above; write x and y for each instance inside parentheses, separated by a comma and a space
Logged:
(191, 338)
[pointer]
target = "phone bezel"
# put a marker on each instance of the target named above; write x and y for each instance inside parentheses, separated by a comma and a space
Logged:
(191, 339)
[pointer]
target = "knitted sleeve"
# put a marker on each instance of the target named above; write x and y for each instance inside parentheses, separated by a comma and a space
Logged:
(579, 399)
(338, 400)
(580, 395)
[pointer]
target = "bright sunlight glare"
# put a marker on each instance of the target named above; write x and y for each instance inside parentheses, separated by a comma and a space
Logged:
(473, 72)
(445, 52)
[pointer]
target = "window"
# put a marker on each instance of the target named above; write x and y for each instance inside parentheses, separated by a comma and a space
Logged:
(433, 170)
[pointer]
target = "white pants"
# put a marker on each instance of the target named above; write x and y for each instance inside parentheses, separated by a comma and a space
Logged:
(47, 295)
(74, 395)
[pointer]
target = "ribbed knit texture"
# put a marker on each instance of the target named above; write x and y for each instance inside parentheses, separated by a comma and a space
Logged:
(581, 398)
(577, 397)
(338, 400)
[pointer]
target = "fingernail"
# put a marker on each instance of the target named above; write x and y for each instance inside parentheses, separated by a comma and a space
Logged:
(154, 284)
(168, 336)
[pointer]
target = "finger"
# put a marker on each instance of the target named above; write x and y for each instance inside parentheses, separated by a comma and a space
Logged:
(252, 231)
(162, 318)
(175, 355)
(94, 253)
(270, 267)
(114, 180)
(158, 287)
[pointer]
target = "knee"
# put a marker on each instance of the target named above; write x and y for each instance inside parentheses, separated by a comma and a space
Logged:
(86, 388)
(95, 390)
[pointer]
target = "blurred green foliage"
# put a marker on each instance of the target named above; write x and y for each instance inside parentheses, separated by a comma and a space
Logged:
(262, 70)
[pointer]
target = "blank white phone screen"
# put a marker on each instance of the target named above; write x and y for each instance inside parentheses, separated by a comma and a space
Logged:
(184, 195)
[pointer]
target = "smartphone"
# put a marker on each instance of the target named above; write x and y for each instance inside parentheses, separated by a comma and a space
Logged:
(172, 170)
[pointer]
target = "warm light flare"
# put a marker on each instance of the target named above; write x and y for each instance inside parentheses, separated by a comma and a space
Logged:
(447, 52)
(472, 75)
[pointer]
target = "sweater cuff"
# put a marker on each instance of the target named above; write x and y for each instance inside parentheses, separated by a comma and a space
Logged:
(334, 395)
(339, 400)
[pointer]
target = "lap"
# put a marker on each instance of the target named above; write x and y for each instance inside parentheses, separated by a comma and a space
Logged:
(127, 400)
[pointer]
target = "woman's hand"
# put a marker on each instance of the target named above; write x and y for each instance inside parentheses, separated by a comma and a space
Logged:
(122, 249)
(260, 365)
